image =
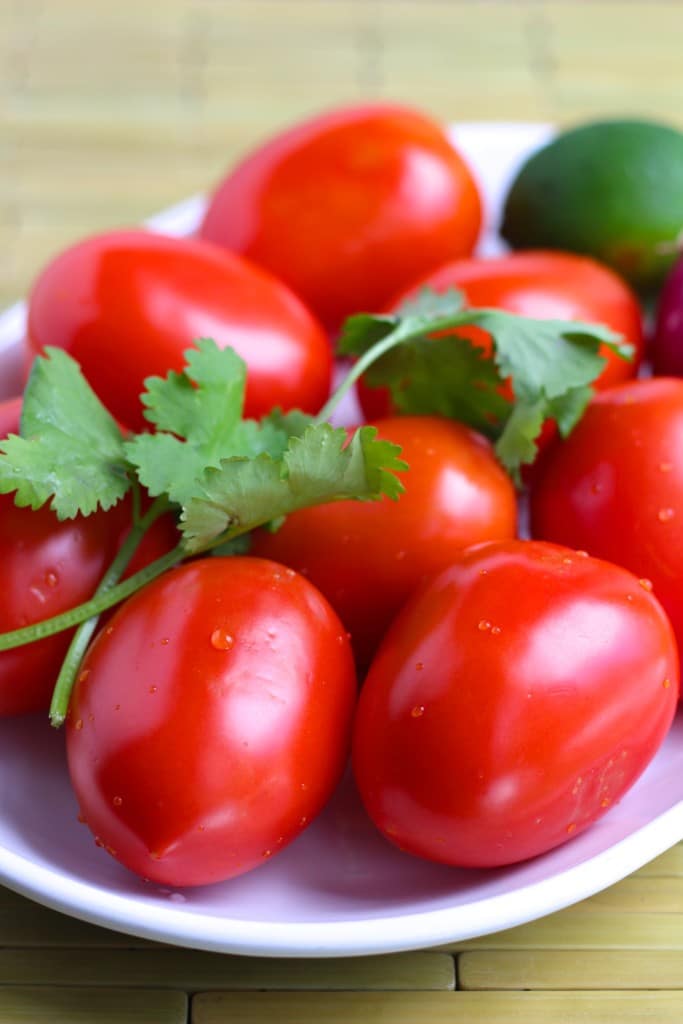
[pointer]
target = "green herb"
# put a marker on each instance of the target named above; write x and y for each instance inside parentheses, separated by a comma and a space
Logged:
(223, 474)
(549, 363)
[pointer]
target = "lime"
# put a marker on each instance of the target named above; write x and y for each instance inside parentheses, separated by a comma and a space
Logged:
(610, 189)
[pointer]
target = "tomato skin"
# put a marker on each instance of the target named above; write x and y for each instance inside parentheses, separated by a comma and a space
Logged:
(47, 567)
(349, 207)
(127, 304)
(368, 557)
(615, 486)
(211, 720)
(515, 699)
(539, 284)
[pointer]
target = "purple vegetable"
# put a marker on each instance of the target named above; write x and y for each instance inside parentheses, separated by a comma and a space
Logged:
(667, 344)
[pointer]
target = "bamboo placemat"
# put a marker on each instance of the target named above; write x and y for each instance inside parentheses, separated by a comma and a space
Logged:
(111, 111)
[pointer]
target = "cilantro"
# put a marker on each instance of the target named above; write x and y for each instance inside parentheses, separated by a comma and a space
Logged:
(550, 365)
(71, 449)
(198, 415)
(318, 467)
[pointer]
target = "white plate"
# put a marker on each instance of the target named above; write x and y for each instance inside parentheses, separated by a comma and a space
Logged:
(340, 889)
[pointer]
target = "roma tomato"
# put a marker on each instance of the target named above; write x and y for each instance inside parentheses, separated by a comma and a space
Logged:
(211, 720)
(127, 304)
(349, 207)
(543, 285)
(48, 567)
(367, 557)
(615, 486)
(516, 697)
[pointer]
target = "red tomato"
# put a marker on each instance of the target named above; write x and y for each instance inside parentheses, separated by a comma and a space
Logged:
(211, 720)
(10, 413)
(543, 285)
(349, 207)
(515, 699)
(615, 486)
(127, 304)
(367, 557)
(48, 567)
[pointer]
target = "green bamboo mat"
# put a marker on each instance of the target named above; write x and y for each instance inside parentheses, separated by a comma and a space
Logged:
(616, 957)
(111, 111)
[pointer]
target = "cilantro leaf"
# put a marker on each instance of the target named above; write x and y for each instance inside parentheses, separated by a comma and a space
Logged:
(445, 377)
(417, 354)
(70, 449)
(322, 465)
(198, 415)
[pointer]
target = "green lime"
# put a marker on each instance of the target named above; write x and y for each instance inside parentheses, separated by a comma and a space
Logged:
(611, 189)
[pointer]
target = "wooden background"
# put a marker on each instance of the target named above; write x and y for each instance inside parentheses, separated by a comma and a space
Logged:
(112, 110)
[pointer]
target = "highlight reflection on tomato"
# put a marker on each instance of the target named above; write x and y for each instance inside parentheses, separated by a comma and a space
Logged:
(514, 700)
(349, 207)
(211, 720)
(368, 557)
(127, 305)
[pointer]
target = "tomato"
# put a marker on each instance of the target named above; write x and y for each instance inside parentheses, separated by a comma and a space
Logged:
(48, 567)
(10, 412)
(349, 207)
(367, 557)
(615, 486)
(542, 285)
(211, 720)
(127, 304)
(516, 698)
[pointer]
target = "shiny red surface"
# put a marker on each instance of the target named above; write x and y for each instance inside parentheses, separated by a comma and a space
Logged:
(349, 207)
(127, 304)
(615, 486)
(367, 557)
(211, 720)
(512, 703)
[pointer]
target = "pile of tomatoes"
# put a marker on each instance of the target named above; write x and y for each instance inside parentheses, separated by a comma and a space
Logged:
(497, 695)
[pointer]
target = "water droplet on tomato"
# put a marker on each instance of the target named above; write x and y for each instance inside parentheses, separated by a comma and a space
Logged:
(496, 631)
(483, 572)
(98, 842)
(153, 689)
(222, 640)
(165, 640)
(419, 665)
(665, 515)
(666, 684)
(581, 553)
(78, 724)
(418, 711)
(267, 853)
(51, 578)
(109, 630)
(484, 625)
(117, 801)
(646, 584)
(605, 802)
(665, 467)
(567, 561)
(571, 827)
(177, 897)
(83, 675)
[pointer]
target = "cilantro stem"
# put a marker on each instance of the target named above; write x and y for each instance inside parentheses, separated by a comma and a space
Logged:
(398, 335)
(84, 633)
